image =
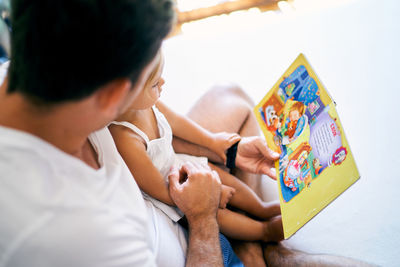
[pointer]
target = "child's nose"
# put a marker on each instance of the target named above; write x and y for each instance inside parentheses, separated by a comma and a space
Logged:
(161, 82)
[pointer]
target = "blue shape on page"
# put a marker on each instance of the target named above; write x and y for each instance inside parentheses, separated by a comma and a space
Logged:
(300, 86)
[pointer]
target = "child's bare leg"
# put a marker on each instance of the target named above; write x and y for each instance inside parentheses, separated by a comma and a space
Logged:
(245, 198)
(238, 226)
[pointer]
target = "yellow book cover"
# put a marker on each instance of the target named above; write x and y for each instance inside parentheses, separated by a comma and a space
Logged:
(299, 120)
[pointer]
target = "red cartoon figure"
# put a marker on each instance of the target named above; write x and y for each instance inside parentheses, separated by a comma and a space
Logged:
(339, 156)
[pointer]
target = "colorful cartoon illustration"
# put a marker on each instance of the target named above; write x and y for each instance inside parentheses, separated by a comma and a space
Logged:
(296, 173)
(292, 172)
(272, 120)
(295, 122)
(295, 114)
(303, 162)
(271, 114)
(313, 107)
(313, 110)
(292, 85)
(317, 166)
(300, 86)
(319, 146)
(299, 120)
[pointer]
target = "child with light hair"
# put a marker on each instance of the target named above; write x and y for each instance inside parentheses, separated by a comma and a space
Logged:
(143, 136)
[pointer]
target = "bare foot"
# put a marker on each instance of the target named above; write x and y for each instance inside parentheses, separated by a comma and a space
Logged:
(226, 195)
(273, 230)
(278, 255)
(250, 253)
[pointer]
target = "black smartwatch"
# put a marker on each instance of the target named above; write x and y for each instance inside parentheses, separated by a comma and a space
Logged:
(231, 156)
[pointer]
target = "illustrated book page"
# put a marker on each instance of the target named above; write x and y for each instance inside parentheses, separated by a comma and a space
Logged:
(299, 120)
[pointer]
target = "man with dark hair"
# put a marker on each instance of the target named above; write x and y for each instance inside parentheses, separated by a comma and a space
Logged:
(66, 196)
(84, 44)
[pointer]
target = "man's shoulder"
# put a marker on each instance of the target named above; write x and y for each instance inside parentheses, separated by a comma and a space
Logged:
(54, 204)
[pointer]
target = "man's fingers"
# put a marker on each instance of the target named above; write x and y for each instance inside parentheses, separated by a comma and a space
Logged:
(173, 177)
(193, 168)
(188, 168)
(271, 172)
(266, 151)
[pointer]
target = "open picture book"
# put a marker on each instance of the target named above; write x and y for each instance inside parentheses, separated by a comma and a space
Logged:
(299, 120)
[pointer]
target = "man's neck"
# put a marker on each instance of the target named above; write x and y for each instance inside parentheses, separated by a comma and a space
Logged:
(60, 126)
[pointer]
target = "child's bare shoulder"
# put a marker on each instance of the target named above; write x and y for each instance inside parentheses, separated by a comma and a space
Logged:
(124, 136)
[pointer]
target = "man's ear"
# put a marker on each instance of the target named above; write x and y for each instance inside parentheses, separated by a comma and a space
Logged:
(111, 97)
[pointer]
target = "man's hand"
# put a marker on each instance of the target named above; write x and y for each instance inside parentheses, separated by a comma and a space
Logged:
(253, 155)
(196, 190)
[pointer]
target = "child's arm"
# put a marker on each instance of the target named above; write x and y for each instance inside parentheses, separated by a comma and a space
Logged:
(147, 176)
(186, 129)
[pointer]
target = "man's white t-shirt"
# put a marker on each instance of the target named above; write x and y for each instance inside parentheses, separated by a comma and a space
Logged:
(57, 211)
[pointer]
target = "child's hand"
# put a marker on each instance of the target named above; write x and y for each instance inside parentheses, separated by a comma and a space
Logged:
(226, 195)
(222, 141)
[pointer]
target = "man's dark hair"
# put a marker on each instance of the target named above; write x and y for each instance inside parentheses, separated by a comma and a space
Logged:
(64, 50)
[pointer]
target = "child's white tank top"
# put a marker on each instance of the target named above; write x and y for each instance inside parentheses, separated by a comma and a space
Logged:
(163, 156)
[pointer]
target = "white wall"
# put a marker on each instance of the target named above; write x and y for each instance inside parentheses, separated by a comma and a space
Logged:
(354, 49)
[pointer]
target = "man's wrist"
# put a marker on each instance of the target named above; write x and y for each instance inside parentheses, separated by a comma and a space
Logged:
(204, 245)
(203, 226)
(204, 219)
(231, 156)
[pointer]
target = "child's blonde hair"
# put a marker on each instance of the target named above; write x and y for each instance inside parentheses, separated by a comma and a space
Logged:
(157, 68)
(299, 106)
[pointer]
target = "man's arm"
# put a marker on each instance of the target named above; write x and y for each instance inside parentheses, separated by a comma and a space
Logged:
(204, 247)
(196, 191)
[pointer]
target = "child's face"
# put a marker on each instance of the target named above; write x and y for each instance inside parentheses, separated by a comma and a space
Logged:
(294, 115)
(151, 92)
